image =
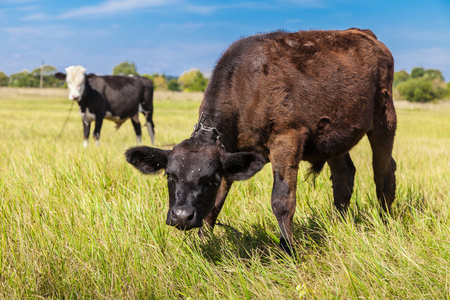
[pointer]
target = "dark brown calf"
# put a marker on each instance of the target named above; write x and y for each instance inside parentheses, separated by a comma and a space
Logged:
(283, 97)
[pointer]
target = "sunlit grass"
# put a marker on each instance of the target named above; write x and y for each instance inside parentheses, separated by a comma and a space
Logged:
(82, 223)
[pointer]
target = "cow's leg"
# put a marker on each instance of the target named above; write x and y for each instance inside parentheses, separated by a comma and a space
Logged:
(98, 127)
(381, 139)
(151, 130)
(150, 125)
(146, 107)
(342, 176)
(285, 156)
(137, 128)
(86, 131)
(147, 110)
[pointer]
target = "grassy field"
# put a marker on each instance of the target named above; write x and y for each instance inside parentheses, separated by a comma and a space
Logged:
(80, 223)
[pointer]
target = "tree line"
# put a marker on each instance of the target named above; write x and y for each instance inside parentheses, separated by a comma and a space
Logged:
(192, 81)
(418, 86)
(421, 85)
(32, 79)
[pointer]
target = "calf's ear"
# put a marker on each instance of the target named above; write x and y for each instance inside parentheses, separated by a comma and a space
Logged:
(148, 160)
(60, 76)
(242, 165)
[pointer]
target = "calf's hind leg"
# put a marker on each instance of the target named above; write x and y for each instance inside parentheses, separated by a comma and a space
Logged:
(384, 167)
(342, 176)
(381, 140)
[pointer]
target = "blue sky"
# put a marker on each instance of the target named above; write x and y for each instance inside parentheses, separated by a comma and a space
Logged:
(172, 36)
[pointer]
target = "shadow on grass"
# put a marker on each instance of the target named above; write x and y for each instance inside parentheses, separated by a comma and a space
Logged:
(262, 240)
(311, 233)
(244, 244)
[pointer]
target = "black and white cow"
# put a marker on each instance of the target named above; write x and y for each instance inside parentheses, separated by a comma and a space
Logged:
(115, 98)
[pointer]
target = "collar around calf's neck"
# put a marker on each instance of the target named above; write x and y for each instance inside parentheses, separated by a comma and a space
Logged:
(199, 126)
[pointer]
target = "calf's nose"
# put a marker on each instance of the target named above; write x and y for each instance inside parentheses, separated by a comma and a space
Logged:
(183, 217)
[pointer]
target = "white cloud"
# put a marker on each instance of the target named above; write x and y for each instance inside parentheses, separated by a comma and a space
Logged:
(176, 57)
(36, 16)
(294, 21)
(210, 9)
(37, 37)
(112, 7)
(307, 3)
(428, 58)
(414, 34)
(203, 9)
(17, 1)
(21, 31)
(189, 25)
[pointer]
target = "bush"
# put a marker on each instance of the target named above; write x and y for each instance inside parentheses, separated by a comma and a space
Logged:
(421, 86)
(400, 76)
(417, 72)
(173, 85)
(125, 68)
(160, 82)
(23, 79)
(27, 79)
(193, 81)
(3, 79)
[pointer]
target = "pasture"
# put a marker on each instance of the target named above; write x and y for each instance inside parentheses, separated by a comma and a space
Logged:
(80, 223)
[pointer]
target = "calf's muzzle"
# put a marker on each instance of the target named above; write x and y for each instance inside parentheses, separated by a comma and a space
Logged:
(184, 217)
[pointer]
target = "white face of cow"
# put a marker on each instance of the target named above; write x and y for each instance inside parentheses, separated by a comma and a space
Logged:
(75, 78)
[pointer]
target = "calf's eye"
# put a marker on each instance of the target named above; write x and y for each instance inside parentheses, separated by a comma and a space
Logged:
(215, 180)
(168, 176)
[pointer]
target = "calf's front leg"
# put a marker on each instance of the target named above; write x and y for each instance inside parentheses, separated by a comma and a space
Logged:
(285, 157)
(211, 218)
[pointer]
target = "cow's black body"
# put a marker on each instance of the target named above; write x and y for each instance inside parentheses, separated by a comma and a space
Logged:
(115, 98)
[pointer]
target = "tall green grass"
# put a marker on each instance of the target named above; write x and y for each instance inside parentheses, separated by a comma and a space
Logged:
(83, 224)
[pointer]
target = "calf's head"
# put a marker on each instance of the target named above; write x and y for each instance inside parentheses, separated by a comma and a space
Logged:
(194, 175)
(76, 81)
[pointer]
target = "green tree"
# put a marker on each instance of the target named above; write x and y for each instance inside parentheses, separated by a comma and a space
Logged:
(47, 70)
(48, 76)
(23, 79)
(417, 72)
(149, 77)
(173, 85)
(433, 74)
(422, 90)
(32, 79)
(400, 76)
(422, 85)
(3, 79)
(125, 68)
(160, 82)
(193, 81)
